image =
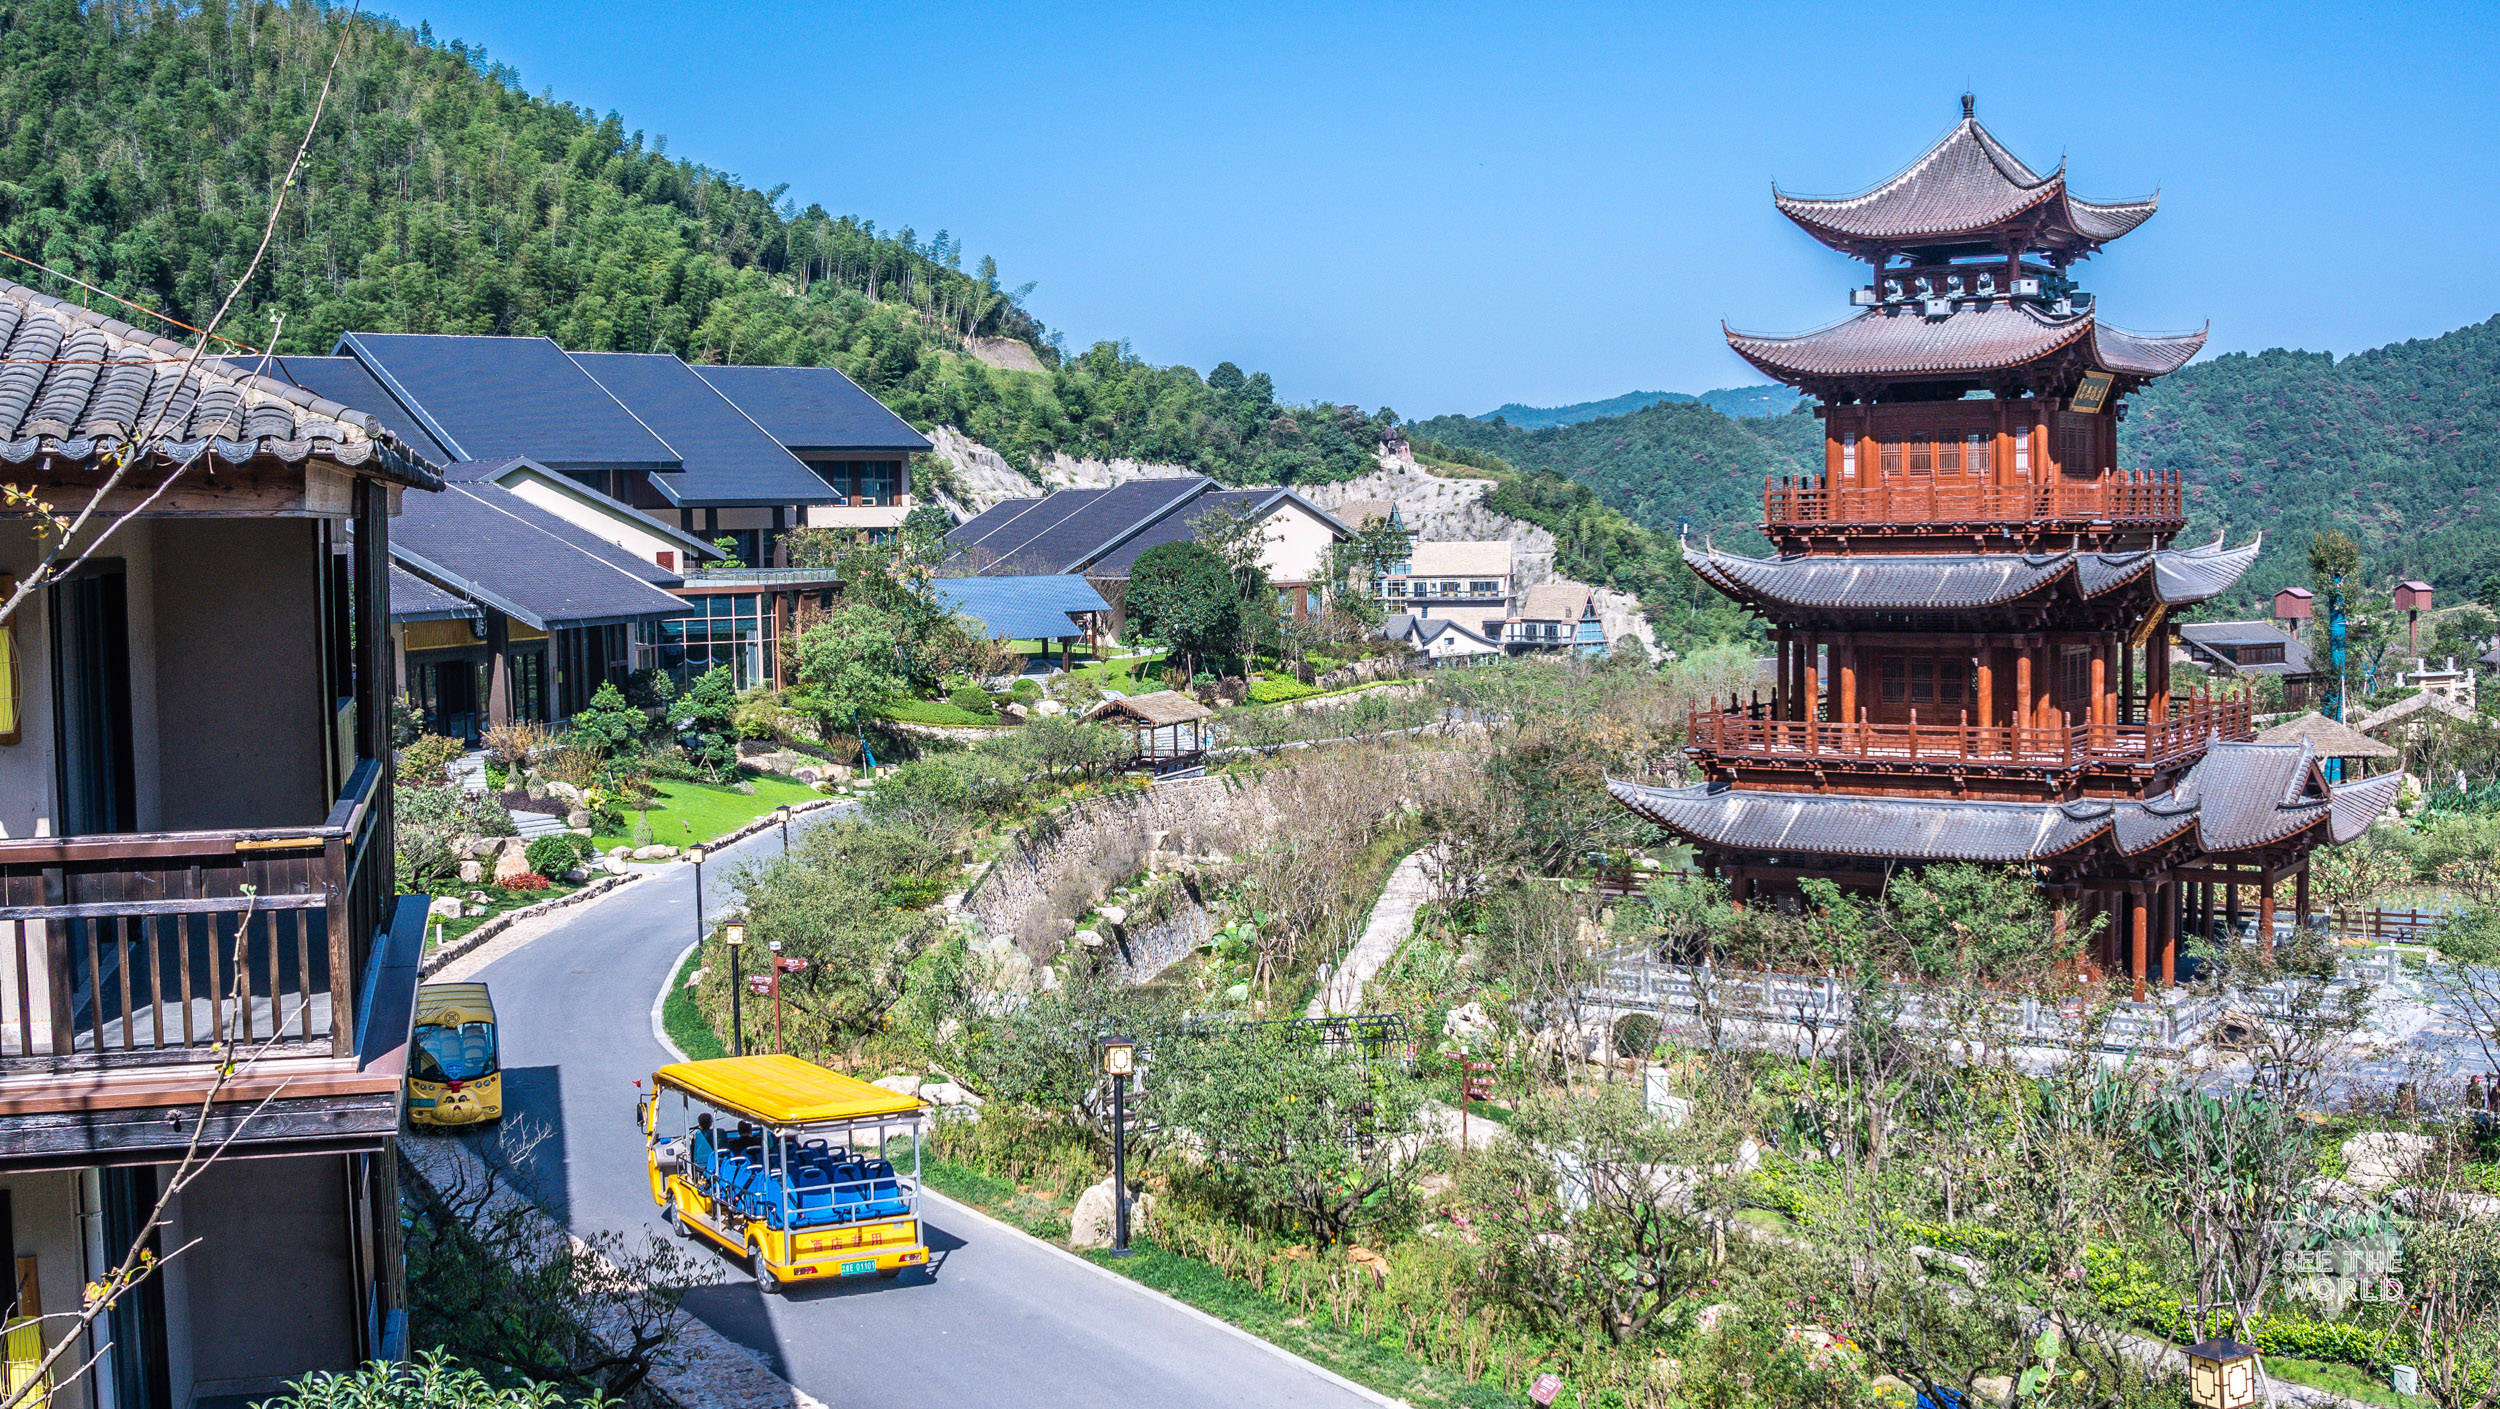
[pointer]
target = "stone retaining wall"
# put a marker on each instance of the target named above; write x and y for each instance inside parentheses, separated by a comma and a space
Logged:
(1102, 840)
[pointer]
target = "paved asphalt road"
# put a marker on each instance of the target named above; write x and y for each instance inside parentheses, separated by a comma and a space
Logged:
(996, 1319)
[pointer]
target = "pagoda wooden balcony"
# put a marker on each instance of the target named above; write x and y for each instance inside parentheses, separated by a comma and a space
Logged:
(153, 947)
(1741, 737)
(2145, 501)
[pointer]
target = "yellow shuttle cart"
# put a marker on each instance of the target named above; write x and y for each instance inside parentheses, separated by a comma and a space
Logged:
(454, 1075)
(789, 1164)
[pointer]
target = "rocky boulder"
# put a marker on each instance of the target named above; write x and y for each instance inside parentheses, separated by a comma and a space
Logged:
(653, 853)
(903, 1085)
(1467, 1021)
(511, 862)
(1090, 1225)
(2381, 1159)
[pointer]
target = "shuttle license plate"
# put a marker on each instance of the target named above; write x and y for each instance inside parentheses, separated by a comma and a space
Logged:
(853, 1269)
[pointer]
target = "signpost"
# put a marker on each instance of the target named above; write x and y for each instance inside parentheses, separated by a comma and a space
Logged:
(791, 965)
(1475, 1083)
(1119, 1062)
(1546, 1387)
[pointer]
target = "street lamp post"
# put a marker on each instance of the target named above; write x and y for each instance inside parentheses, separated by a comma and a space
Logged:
(1119, 1062)
(736, 934)
(783, 813)
(695, 855)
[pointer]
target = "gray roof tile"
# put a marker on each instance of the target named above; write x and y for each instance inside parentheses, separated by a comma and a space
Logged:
(489, 396)
(727, 457)
(815, 409)
(494, 545)
(1963, 581)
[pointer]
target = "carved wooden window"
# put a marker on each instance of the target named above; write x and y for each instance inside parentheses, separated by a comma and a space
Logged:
(1848, 454)
(2022, 453)
(1978, 452)
(1922, 459)
(2074, 678)
(1896, 679)
(1948, 457)
(1892, 459)
(2075, 443)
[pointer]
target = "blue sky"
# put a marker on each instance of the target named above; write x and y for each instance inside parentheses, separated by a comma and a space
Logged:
(1445, 207)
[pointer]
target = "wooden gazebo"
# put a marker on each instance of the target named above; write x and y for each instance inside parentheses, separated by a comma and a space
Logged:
(1154, 724)
(2329, 738)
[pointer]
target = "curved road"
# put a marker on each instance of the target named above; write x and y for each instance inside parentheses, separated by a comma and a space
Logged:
(996, 1318)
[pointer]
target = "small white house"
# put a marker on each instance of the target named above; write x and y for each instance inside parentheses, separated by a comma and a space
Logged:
(1441, 640)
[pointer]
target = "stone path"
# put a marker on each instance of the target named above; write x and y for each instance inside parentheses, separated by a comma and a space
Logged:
(1392, 920)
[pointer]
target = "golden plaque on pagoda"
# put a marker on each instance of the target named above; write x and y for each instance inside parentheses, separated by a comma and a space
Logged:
(2092, 393)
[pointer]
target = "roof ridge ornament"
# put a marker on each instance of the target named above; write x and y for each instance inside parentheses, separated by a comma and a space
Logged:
(1967, 105)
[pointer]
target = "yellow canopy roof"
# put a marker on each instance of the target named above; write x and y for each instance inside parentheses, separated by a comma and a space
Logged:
(782, 1090)
(451, 1004)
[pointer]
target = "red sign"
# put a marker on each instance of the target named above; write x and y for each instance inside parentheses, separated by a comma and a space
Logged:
(791, 965)
(761, 985)
(1545, 1388)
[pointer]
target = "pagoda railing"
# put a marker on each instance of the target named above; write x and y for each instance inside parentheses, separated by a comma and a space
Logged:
(2124, 497)
(1741, 734)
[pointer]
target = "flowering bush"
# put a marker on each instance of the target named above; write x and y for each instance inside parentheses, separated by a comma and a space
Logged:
(527, 880)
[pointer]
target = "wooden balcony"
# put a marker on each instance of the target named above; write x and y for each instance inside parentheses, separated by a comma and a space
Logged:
(2142, 501)
(153, 947)
(1741, 737)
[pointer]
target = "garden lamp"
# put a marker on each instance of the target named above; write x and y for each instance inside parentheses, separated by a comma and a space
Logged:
(782, 813)
(1119, 1062)
(2222, 1374)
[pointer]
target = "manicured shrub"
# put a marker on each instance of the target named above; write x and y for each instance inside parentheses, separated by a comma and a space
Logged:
(426, 760)
(971, 699)
(556, 853)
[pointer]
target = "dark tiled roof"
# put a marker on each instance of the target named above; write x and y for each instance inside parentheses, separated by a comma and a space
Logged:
(2210, 640)
(1995, 336)
(814, 409)
(728, 458)
(506, 469)
(507, 552)
(345, 379)
(75, 384)
(1966, 184)
(489, 396)
(2238, 796)
(1066, 530)
(1021, 608)
(1964, 581)
(415, 599)
(1179, 527)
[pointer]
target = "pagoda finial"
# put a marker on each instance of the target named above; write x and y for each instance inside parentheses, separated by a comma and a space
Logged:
(1968, 103)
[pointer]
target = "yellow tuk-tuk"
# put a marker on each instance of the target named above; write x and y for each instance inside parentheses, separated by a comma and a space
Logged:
(786, 1163)
(454, 1077)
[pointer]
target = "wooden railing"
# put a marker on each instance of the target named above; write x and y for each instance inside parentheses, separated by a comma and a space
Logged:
(2128, 498)
(156, 946)
(1741, 734)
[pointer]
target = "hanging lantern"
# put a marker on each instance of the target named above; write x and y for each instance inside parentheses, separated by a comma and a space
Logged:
(2222, 1374)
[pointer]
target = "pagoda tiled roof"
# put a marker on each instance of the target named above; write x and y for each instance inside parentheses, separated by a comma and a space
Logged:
(1993, 336)
(1966, 189)
(2237, 797)
(1968, 581)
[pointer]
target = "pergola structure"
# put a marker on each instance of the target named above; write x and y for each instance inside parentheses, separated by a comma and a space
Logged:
(2329, 739)
(1154, 722)
(1973, 603)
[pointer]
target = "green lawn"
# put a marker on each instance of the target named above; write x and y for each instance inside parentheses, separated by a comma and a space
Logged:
(691, 814)
(1123, 675)
(944, 712)
(2340, 1379)
(684, 1022)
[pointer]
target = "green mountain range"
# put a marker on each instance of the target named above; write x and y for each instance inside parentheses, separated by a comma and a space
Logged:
(1734, 401)
(2399, 446)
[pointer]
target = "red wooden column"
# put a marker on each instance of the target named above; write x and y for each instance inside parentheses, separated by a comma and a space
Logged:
(2166, 898)
(2023, 705)
(2300, 897)
(2265, 920)
(1846, 647)
(2140, 931)
(1784, 691)
(1986, 684)
(2099, 712)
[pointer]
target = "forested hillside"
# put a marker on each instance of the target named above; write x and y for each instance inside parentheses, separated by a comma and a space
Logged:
(1669, 460)
(1735, 401)
(139, 144)
(2399, 446)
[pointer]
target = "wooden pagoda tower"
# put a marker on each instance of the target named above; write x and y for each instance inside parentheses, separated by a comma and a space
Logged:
(1972, 604)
